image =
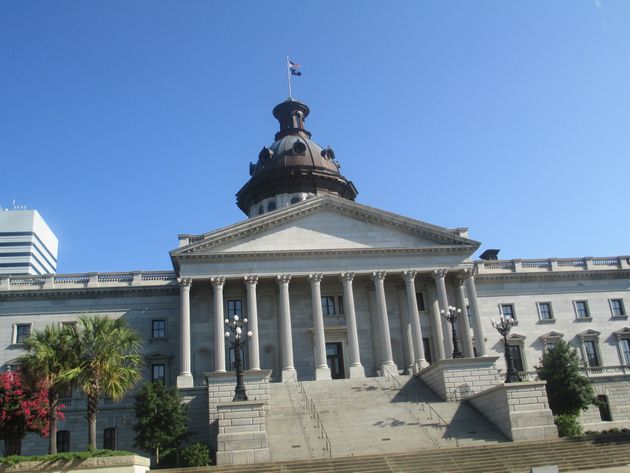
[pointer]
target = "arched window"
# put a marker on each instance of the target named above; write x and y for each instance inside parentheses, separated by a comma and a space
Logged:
(261, 210)
(604, 408)
(271, 206)
(295, 200)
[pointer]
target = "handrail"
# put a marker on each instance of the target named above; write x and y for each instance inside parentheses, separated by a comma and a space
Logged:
(314, 413)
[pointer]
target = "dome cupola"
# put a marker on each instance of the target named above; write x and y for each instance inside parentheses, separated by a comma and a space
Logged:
(293, 168)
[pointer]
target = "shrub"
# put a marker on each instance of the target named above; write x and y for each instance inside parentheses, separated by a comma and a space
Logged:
(196, 454)
(568, 425)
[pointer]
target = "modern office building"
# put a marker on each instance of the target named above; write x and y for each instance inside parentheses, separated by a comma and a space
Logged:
(27, 244)
(335, 290)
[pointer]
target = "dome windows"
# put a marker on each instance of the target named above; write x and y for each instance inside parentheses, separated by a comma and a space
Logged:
(295, 200)
(299, 147)
(271, 206)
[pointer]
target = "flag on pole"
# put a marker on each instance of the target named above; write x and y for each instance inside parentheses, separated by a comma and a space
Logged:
(294, 68)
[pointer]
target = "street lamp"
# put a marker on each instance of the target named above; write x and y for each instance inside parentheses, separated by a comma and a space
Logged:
(234, 336)
(451, 315)
(503, 325)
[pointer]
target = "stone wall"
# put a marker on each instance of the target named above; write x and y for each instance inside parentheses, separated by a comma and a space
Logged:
(458, 378)
(242, 437)
(519, 410)
(121, 464)
(617, 390)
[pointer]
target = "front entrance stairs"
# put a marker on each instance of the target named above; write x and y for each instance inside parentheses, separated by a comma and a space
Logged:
(340, 418)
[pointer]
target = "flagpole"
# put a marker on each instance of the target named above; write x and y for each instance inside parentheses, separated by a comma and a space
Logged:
(289, 77)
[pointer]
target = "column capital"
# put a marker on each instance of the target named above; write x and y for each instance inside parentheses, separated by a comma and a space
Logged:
(459, 279)
(471, 272)
(440, 273)
(283, 278)
(251, 280)
(315, 278)
(409, 275)
(348, 277)
(378, 275)
(217, 281)
(184, 282)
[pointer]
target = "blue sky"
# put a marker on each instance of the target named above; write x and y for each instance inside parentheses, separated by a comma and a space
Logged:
(127, 122)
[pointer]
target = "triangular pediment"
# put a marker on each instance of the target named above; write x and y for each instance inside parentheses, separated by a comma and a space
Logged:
(325, 224)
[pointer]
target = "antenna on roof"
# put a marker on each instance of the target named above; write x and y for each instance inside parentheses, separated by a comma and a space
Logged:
(18, 207)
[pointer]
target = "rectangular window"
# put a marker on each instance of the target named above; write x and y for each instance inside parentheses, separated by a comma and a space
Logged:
(234, 307)
(544, 311)
(591, 353)
(550, 346)
(158, 372)
(420, 302)
(581, 310)
(340, 305)
(22, 332)
(508, 310)
(109, 438)
(158, 328)
(624, 348)
(515, 350)
(328, 305)
(469, 316)
(617, 308)
(426, 343)
(63, 441)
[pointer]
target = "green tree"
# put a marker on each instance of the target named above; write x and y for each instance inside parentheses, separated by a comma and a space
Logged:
(162, 419)
(52, 354)
(109, 363)
(569, 391)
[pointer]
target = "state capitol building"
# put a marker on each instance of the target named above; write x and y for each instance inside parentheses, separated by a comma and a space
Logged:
(338, 296)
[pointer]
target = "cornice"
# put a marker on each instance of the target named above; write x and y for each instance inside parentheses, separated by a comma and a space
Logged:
(350, 253)
(86, 291)
(555, 275)
(268, 221)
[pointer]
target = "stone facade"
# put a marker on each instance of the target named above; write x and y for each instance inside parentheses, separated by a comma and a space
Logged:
(242, 437)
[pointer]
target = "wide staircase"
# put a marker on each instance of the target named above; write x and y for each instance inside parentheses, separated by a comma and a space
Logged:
(340, 418)
(568, 455)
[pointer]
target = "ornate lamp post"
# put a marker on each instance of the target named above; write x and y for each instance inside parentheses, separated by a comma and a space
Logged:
(503, 325)
(235, 337)
(451, 315)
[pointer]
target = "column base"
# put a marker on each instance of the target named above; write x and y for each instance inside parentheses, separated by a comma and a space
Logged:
(419, 366)
(390, 368)
(185, 380)
(357, 372)
(322, 373)
(288, 375)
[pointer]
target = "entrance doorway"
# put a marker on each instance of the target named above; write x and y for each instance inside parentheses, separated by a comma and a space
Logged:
(334, 358)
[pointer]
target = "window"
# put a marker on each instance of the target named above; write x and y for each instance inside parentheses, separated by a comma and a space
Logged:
(516, 345)
(158, 372)
(328, 305)
(420, 302)
(109, 438)
(617, 308)
(271, 206)
(590, 352)
(507, 310)
(469, 316)
(581, 310)
(234, 307)
(158, 328)
(544, 311)
(426, 343)
(295, 200)
(517, 357)
(261, 210)
(21, 333)
(624, 349)
(604, 408)
(332, 305)
(550, 339)
(63, 441)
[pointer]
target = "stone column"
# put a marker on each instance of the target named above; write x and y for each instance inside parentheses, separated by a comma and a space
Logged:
(184, 378)
(286, 339)
(480, 341)
(436, 330)
(439, 275)
(252, 318)
(465, 339)
(219, 324)
(406, 330)
(381, 306)
(414, 317)
(356, 368)
(322, 371)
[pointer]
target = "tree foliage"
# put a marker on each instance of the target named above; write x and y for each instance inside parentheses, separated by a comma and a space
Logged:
(109, 363)
(22, 410)
(162, 419)
(52, 354)
(569, 391)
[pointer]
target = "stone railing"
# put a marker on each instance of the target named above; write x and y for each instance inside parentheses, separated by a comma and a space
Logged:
(590, 371)
(77, 281)
(552, 264)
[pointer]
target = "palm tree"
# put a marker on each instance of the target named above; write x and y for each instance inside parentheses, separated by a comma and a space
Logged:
(52, 354)
(109, 362)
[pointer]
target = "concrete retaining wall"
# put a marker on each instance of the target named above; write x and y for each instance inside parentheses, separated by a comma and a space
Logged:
(121, 464)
